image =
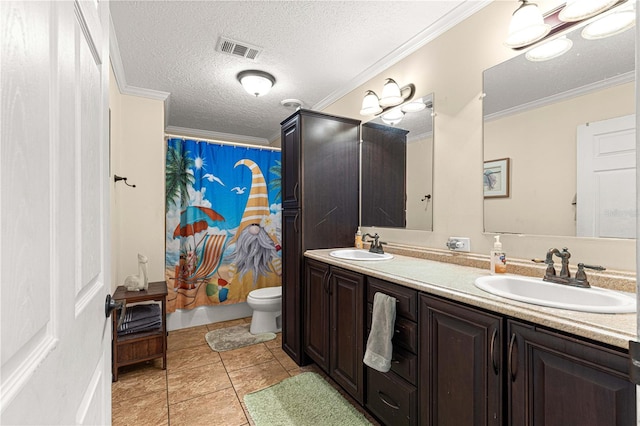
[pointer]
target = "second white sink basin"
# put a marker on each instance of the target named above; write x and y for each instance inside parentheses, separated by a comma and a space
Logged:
(359, 254)
(539, 292)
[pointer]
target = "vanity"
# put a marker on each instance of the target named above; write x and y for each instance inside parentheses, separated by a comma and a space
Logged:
(463, 356)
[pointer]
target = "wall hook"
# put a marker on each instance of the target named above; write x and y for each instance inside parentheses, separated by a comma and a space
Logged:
(117, 178)
(426, 197)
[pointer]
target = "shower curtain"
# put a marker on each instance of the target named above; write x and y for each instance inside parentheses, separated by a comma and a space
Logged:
(223, 222)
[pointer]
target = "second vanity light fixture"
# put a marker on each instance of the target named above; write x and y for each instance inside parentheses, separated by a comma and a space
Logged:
(392, 95)
(529, 26)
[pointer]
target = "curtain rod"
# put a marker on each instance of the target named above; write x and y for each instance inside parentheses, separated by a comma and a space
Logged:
(244, 145)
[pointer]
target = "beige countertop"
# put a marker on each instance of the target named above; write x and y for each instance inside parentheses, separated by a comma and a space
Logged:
(455, 282)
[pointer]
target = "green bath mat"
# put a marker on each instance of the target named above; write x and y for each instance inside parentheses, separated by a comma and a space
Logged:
(238, 336)
(302, 400)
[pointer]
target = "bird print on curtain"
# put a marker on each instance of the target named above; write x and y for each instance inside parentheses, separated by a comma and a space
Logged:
(223, 222)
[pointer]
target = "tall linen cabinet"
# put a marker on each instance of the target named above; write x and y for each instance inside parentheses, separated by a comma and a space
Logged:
(320, 193)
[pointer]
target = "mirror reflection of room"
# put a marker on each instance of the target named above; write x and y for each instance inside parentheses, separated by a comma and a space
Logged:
(567, 127)
(397, 168)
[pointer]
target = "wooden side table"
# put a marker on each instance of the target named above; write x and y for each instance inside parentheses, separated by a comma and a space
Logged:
(144, 346)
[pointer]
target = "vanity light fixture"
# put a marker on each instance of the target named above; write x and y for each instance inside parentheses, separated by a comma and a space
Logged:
(527, 26)
(577, 10)
(611, 24)
(393, 117)
(392, 96)
(414, 106)
(550, 49)
(256, 82)
(370, 104)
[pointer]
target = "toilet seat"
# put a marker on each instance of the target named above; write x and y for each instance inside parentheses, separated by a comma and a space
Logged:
(266, 293)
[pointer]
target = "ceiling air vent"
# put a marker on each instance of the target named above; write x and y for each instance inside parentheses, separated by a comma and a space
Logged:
(236, 48)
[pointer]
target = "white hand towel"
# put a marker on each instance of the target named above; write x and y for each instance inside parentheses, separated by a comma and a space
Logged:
(379, 347)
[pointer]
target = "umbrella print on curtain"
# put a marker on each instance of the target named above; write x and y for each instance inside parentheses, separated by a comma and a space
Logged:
(194, 268)
(195, 219)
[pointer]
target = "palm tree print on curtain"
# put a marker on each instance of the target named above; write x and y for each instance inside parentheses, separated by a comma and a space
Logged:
(223, 222)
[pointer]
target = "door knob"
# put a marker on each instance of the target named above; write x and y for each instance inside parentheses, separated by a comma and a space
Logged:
(110, 305)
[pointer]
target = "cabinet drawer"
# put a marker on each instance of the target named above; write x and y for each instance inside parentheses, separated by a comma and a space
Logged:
(140, 349)
(405, 365)
(391, 399)
(406, 332)
(407, 298)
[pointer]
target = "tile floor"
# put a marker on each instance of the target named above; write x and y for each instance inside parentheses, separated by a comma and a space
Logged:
(200, 386)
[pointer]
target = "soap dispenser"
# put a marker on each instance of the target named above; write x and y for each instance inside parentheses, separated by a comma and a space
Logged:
(358, 241)
(498, 258)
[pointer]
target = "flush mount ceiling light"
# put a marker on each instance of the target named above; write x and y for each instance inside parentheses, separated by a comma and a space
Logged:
(255, 82)
(577, 10)
(610, 25)
(527, 26)
(550, 49)
(392, 95)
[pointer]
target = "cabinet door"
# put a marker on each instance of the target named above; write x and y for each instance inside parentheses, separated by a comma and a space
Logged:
(347, 331)
(460, 365)
(291, 286)
(556, 380)
(330, 181)
(290, 136)
(316, 313)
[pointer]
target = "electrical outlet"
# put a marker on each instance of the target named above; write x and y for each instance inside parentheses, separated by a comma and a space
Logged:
(459, 244)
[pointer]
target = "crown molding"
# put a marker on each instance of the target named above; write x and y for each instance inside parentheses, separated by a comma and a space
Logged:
(454, 17)
(578, 91)
(216, 136)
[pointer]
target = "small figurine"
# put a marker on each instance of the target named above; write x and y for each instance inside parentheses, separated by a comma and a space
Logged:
(140, 281)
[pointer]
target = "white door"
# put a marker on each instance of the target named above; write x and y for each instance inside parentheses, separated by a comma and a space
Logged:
(54, 265)
(606, 178)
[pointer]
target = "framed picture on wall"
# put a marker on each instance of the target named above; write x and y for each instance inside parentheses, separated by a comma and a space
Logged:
(496, 178)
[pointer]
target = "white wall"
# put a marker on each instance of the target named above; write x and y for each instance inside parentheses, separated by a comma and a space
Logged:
(137, 152)
(451, 67)
(419, 183)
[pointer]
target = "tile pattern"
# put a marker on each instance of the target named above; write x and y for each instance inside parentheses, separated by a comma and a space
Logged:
(201, 386)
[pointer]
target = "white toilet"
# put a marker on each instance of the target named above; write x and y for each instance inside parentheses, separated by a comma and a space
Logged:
(267, 310)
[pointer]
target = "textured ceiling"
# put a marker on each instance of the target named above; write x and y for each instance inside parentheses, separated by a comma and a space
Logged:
(317, 51)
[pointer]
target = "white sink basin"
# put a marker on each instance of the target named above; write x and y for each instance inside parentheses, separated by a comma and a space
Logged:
(539, 292)
(358, 254)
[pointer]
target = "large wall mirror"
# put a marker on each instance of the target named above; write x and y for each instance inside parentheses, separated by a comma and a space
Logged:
(397, 169)
(559, 141)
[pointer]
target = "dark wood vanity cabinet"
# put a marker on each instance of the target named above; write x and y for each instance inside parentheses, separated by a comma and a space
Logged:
(393, 396)
(558, 380)
(454, 364)
(461, 364)
(320, 165)
(334, 326)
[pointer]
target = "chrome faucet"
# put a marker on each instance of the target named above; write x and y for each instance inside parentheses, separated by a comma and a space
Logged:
(580, 280)
(376, 244)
